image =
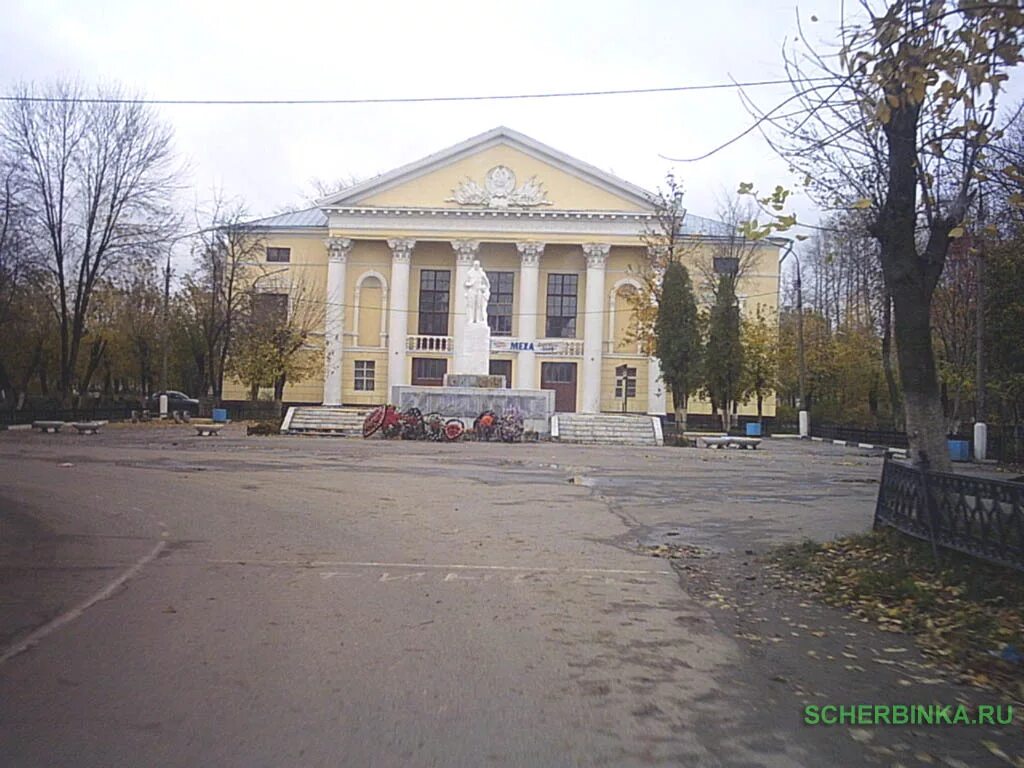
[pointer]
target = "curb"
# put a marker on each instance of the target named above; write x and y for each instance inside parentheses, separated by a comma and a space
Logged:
(901, 452)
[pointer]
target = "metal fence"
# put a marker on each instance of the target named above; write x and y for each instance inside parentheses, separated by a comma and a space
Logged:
(118, 412)
(247, 410)
(885, 437)
(1005, 441)
(979, 517)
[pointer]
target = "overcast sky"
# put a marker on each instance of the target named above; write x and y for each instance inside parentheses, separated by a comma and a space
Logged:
(267, 154)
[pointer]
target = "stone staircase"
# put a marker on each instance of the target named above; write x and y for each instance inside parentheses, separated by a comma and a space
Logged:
(606, 429)
(324, 420)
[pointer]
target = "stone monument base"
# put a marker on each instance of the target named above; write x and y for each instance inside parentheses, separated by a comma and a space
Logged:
(466, 403)
(475, 380)
(474, 351)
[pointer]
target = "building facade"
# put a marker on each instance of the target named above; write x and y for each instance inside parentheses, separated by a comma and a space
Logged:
(562, 243)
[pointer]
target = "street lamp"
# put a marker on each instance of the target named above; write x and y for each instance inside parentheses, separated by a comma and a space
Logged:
(805, 426)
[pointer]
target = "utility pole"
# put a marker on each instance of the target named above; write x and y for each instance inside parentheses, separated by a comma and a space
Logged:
(980, 426)
(805, 422)
(163, 330)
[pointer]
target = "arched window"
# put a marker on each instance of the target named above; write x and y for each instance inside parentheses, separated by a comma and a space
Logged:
(371, 301)
(620, 316)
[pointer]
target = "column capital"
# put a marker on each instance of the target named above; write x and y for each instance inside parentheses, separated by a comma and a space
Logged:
(597, 254)
(401, 249)
(466, 251)
(338, 249)
(530, 253)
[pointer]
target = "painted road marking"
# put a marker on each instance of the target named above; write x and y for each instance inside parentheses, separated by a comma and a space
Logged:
(70, 615)
(483, 576)
(434, 566)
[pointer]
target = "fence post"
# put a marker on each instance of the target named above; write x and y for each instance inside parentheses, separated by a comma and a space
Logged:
(931, 513)
(882, 491)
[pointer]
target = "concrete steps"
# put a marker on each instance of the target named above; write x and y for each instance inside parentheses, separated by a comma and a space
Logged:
(324, 420)
(607, 429)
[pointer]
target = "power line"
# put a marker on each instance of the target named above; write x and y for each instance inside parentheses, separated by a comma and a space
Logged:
(395, 99)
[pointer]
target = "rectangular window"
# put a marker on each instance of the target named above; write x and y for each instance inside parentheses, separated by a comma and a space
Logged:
(270, 309)
(428, 371)
(281, 255)
(435, 286)
(561, 307)
(629, 380)
(499, 308)
(365, 370)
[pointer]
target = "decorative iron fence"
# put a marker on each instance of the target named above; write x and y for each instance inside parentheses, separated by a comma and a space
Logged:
(979, 517)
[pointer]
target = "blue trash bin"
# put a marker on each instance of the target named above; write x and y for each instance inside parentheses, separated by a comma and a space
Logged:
(959, 450)
(220, 414)
(753, 429)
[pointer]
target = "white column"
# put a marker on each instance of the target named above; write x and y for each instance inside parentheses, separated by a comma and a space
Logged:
(466, 251)
(529, 275)
(655, 388)
(593, 323)
(334, 318)
(398, 312)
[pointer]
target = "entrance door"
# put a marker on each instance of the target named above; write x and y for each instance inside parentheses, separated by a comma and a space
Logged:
(502, 368)
(561, 377)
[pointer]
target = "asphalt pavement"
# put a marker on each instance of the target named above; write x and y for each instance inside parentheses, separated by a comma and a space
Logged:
(171, 600)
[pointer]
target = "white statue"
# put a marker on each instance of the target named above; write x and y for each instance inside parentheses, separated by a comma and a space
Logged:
(478, 293)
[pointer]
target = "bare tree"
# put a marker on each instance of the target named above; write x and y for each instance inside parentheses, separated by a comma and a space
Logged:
(96, 174)
(230, 255)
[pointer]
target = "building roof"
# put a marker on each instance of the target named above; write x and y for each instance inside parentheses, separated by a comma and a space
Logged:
(500, 135)
(700, 225)
(304, 219)
(316, 217)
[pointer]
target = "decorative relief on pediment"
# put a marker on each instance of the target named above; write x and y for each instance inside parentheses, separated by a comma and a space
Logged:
(499, 190)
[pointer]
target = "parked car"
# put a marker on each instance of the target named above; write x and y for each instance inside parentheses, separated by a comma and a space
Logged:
(176, 401)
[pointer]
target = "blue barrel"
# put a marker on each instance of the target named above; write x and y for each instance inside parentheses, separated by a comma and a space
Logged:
(959, 450)
(753, 429)
(220, 414)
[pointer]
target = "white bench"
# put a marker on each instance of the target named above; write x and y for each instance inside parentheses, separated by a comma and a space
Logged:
(48, 426)
(208, 430)
(727, 441)
(87, 427)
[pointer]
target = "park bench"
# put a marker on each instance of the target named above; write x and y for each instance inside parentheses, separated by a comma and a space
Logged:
(48, 426)
(727, 441)
(87, 427)
(207, 430)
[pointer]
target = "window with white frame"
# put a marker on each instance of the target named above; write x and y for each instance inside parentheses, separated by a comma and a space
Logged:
(365, 370)
(279, 255)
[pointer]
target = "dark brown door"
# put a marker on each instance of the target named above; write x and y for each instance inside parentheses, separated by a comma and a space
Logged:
(560, 377)
(428, 371)
(502, 368)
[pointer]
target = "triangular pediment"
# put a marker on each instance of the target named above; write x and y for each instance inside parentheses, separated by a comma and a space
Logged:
(499, 169)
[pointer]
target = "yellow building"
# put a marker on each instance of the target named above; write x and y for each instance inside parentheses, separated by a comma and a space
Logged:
(560, 239)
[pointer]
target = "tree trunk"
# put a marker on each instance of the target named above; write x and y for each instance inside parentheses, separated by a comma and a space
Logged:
(895, 403)
(925, 422)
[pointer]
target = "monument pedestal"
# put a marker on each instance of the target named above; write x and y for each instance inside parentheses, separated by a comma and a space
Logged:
(466, 403)
(473, 353)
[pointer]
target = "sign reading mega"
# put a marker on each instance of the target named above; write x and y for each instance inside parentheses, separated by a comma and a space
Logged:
(563, 347)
